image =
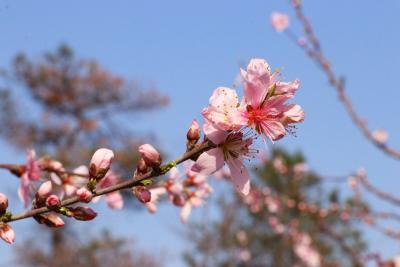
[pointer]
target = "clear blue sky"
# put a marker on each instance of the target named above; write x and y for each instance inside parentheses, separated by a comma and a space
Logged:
(188, 48)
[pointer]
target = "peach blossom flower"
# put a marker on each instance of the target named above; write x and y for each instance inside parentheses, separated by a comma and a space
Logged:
(231, 148)
(279, 21)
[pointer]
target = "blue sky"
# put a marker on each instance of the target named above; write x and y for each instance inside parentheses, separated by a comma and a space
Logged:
(188, 48)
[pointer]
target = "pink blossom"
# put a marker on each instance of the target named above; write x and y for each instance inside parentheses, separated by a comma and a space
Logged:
(223, 110)
(264, 105)
(231, 148)
(279, 21)
(31, 173)
(150, 155)
(67, 186)
(380, 136)
(156, 193)
(114, 200)
(7, 233)
(305, 252)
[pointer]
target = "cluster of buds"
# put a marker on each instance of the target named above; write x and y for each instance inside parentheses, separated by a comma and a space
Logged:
(186, 190)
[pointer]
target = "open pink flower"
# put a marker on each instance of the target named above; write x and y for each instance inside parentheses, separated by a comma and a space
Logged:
(223, 110)
(31, 174)
(279, 21)
(231, 148)
(156, 193)
(114, 199)
(265, 99)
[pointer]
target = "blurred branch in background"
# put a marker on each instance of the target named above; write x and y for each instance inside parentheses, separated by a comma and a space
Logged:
(288, 219)
(312, 47)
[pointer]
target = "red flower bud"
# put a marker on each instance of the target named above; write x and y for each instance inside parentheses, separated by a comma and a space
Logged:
(194, 132)
(142, 194)
(150, 155)
(84, 195)
(53, 202)
(82, 213)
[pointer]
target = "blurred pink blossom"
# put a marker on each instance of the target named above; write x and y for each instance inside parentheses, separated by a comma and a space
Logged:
(279, 21)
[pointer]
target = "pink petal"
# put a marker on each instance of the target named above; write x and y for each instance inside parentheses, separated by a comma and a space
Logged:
(294, 113)
(185, 212)
(273, 129)
(115, 200)
(209, 161)
(216, 135)
(240, 176)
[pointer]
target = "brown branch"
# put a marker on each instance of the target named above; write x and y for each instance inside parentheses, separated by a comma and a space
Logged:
(315, 52)
(382, 195)
(123, 185)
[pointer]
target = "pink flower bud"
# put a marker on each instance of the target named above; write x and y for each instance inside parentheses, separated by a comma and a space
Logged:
(53, 202)
(84, 194)
(50, 220)
(82, 213)
(3, 203)
(45, 189)
(142, 194)
(194, 132)
(7, 233)
(141, 167)
(100, 163)
(150, 155)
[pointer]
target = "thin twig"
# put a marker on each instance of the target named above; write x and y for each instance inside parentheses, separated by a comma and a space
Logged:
(123, 185)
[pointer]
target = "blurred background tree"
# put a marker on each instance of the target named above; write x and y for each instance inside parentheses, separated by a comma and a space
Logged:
(80, 105)
(103, 251)
(75, 106)
(287, 220)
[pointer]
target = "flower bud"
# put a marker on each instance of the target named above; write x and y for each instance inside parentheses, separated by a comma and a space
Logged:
(84, 194)
(82, 213)
(3, 203)
(50, 220)
(100, 163)
(142, 194)
(44, 190)
(150, 155)
(53, 202)
(141, 167)
(7, 233)
(193, 134)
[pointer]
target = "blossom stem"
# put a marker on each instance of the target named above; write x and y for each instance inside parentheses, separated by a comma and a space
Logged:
(135, 181)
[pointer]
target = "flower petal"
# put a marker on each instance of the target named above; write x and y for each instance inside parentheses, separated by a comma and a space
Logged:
(209, 162)
(240, 176)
